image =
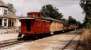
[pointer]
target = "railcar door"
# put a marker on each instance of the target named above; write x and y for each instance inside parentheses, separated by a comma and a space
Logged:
(28, 25)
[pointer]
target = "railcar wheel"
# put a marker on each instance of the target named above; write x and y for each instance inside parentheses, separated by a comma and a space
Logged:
(63, 31)
(52, 33)
(20, 36)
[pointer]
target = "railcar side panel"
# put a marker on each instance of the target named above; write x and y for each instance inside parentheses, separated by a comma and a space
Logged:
(23, 26)
(34, 26)
(39, 26)
(56, 26)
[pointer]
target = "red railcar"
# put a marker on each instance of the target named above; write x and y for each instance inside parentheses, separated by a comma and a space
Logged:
(31, 25)
(37, 26)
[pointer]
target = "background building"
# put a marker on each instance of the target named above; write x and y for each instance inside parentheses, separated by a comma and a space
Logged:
(8, 18)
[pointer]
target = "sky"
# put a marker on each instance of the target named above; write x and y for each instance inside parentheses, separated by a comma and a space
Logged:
(66, 7)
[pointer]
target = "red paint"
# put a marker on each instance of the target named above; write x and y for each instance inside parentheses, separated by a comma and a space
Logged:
(34, 14)
(37, 26)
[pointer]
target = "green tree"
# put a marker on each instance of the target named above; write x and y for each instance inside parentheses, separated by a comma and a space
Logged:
(86, 6)
(72, 20)
(50, 11)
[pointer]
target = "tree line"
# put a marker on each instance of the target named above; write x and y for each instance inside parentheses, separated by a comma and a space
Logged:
(53, 12)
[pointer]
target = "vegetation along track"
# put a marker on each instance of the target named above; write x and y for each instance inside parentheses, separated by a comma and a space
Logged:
(6, 43)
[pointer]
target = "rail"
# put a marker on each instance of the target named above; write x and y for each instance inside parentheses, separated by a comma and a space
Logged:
(70, 42)
(15, 41)
(10, 42)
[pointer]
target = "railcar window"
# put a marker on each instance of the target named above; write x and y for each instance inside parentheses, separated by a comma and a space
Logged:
(28, 24)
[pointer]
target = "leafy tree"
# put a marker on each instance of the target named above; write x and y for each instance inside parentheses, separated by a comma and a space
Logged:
(50, 11)
(86, 6)
(72, 20)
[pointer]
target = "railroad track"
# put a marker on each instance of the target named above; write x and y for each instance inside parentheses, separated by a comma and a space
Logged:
(67, 46)
(15, 41)
(6, 43)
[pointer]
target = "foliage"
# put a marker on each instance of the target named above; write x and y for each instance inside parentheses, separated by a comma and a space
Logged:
(72, 20)
(50, 11)
(86, 6)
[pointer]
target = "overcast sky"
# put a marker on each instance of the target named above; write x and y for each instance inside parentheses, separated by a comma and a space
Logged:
(67, 7)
